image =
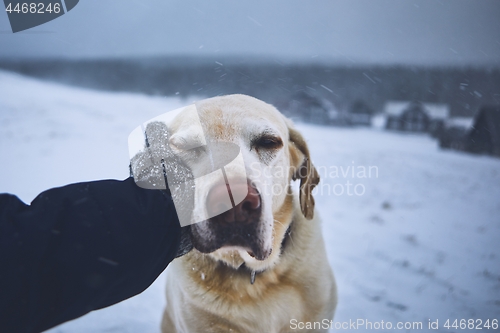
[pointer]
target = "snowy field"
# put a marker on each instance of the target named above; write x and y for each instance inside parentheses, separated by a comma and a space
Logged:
(416, 236)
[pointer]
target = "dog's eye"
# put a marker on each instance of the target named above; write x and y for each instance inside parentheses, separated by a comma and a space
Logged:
(268, 142)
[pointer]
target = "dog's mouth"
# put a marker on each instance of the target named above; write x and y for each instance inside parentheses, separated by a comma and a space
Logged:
(211, 235)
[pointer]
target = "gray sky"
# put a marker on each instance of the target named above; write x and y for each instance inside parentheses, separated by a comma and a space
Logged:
(346, 31)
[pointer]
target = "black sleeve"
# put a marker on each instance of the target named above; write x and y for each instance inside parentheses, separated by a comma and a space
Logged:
(80, 248)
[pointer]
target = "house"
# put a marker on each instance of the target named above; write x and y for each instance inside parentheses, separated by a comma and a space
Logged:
(407, 116)
(438, 113)
(454, 133)
(484, 136)
(309, 107)
(360, 114)
(415, 116)
(338, 118)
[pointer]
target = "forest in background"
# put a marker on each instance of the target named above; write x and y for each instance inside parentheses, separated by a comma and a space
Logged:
(464, 89)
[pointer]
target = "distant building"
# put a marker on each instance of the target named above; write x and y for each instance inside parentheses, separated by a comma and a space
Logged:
(453, 138)
(439, 114)
(309, 107)
(480, 135)
(360, 114)
(454, 133)
(338, 118)
(484, 136)
(415, 116)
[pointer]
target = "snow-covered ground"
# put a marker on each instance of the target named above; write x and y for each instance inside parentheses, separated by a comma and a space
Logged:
(415, 237)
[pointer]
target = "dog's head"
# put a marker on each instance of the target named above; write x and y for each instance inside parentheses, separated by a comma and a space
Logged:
(273, 155)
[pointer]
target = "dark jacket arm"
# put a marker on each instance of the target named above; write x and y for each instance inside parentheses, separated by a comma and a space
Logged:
(80, 248)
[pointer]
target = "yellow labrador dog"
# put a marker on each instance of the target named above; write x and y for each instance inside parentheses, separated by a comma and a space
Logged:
(261, 266)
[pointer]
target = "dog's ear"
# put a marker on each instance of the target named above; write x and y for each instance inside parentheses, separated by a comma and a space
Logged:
(303, 169)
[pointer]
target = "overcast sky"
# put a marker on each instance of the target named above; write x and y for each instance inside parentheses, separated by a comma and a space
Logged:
(355, 31)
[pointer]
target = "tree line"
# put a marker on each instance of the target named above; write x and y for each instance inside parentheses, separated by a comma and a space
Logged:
(465, 89)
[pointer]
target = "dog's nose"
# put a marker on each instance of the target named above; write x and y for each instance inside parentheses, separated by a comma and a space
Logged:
(243, 212)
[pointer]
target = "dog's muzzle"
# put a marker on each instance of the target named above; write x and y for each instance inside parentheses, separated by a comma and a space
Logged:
(237, 227)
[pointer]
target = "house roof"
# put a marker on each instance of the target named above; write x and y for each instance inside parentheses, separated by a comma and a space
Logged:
(434, 110)
(437, 111)
(396, 108)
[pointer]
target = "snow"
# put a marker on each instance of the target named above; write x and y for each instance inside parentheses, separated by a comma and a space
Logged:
(420, 242)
